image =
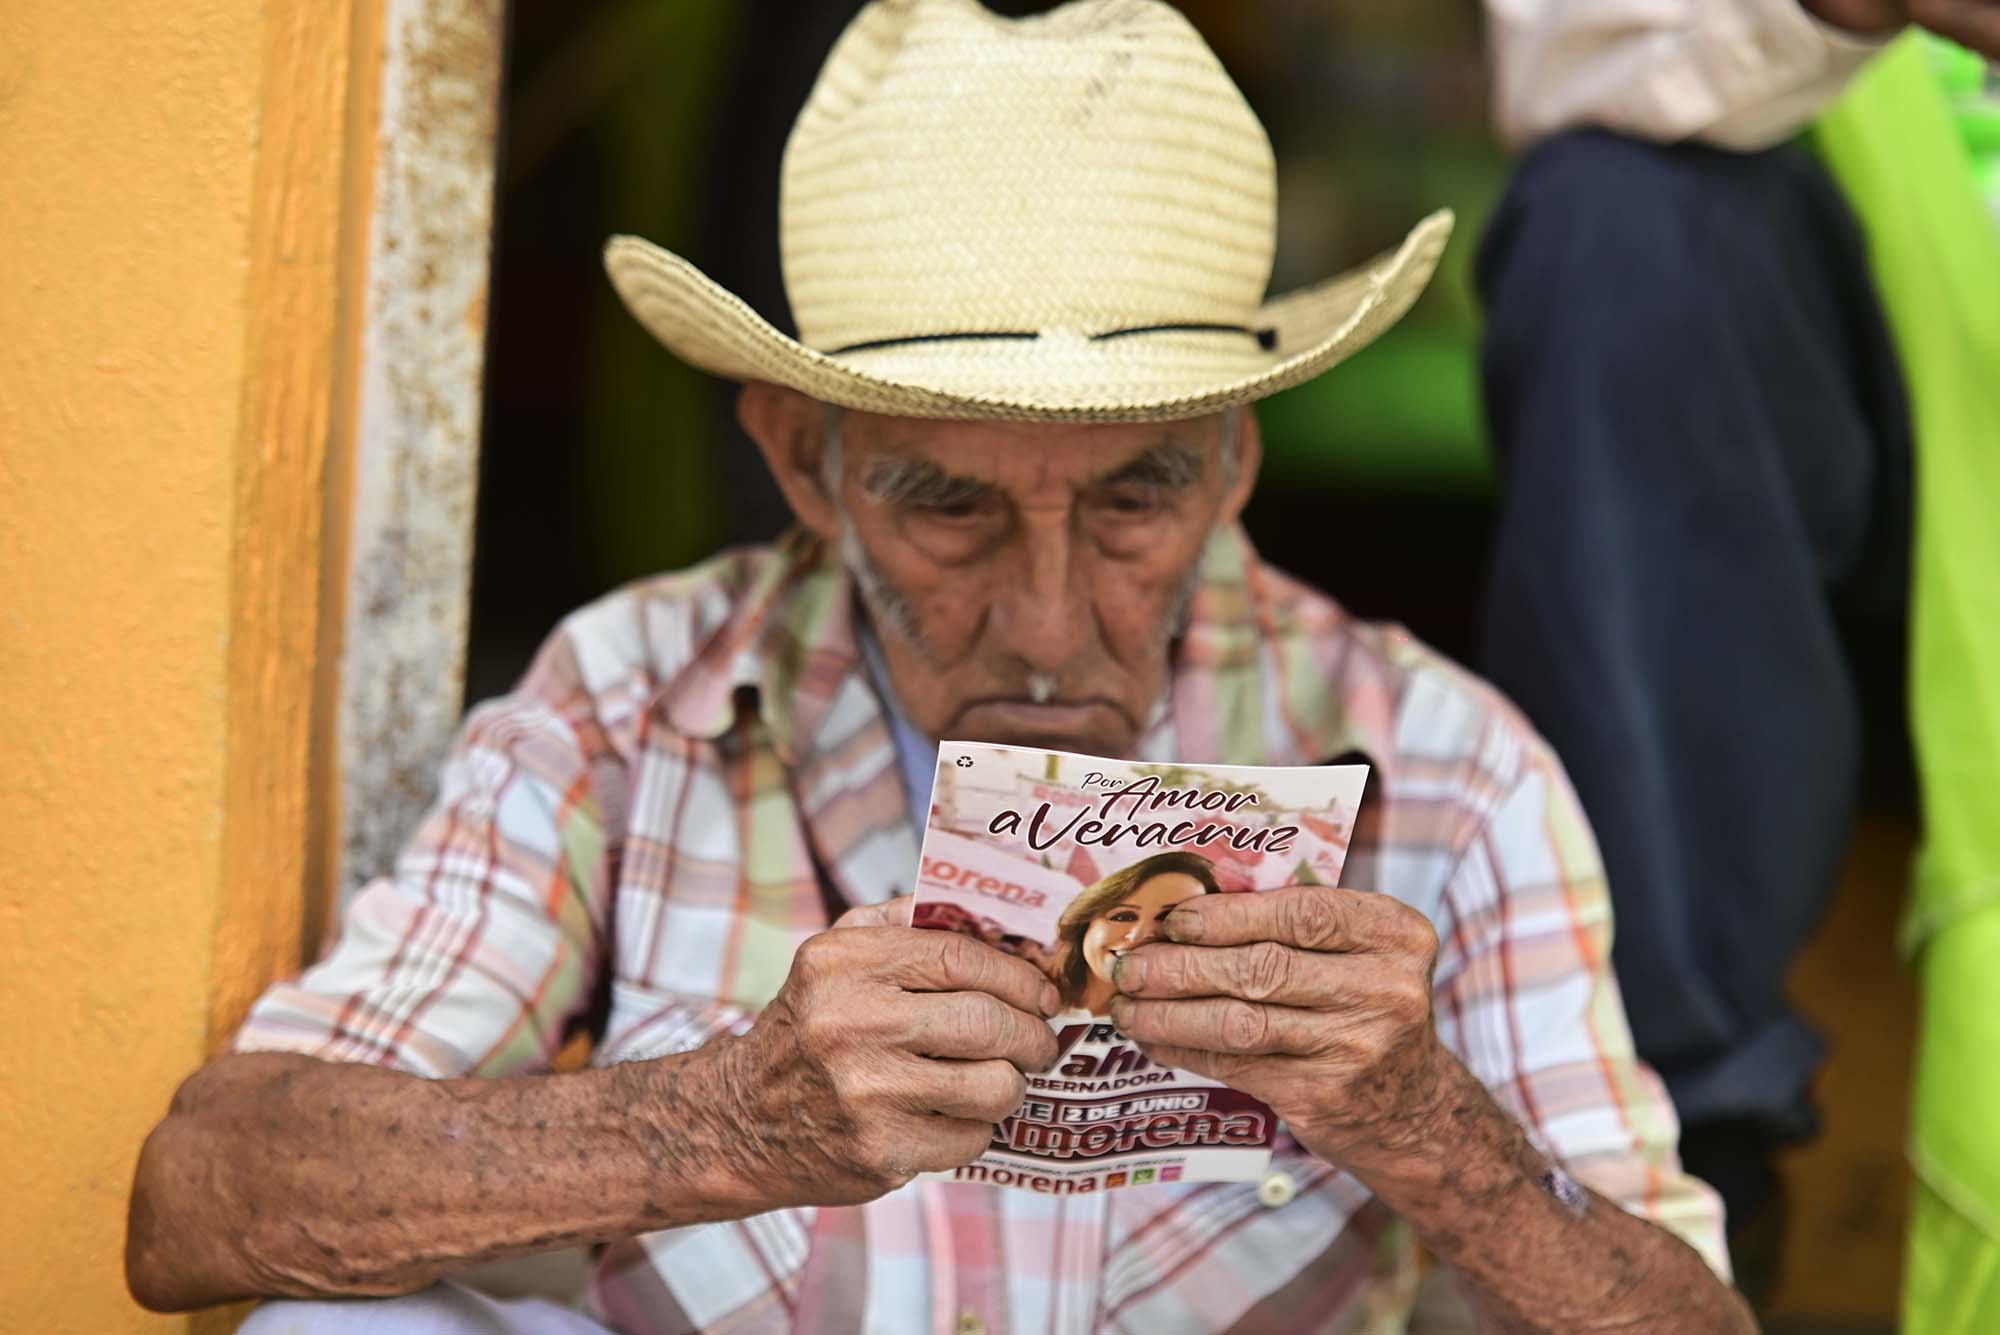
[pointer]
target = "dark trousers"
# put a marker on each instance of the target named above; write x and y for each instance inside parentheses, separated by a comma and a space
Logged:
(1704, 447)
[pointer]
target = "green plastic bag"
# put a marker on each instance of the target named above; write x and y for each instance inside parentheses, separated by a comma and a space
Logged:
(1935, 250)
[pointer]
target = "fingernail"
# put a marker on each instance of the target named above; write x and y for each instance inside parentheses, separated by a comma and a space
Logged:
(1183, 926)
(1121, 1010)
(1129, 973)
(1051, 999)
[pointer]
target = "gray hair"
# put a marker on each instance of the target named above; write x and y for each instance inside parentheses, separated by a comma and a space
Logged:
(832, 443)
(1232, 443)
(884, 601)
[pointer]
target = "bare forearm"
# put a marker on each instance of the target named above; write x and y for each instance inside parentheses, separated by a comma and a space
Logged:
(1537, 1254)
(278, 1174)
(887, 1052)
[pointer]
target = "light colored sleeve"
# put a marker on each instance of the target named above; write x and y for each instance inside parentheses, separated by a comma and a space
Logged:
(1526, 998)
(1738, 74)
(472, 957)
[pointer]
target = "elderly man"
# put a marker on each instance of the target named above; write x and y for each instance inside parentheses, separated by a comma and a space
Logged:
(1027, 262)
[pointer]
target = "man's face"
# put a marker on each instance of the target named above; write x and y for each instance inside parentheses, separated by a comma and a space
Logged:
(1025, 581)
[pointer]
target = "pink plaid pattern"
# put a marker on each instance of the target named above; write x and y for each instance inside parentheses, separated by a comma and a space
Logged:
(696, 773)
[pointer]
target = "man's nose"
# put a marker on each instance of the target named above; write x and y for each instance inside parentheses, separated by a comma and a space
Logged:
(1043, 614)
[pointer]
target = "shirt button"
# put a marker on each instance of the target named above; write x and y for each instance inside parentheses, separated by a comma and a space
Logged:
(970, 1324)
(1277, 1189)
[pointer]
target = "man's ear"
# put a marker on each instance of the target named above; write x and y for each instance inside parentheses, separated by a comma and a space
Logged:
(790, 429)
(1249, 456)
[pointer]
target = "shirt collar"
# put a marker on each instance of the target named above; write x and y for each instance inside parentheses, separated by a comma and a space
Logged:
(783, 651)
(1264, 672)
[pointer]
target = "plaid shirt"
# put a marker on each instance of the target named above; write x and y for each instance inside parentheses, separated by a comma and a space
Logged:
(696, 772)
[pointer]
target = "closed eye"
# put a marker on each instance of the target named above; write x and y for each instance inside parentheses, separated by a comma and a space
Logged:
(967, 508)
(922, 487)
(1134, 501)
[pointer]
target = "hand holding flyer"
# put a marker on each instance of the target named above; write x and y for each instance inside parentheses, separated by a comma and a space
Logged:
(1071, 862)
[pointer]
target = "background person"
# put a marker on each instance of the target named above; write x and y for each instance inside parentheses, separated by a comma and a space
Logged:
(1705, 447)
(1916, 145)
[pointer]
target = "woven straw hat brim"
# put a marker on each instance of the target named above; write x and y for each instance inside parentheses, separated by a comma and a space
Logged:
(1057, 376)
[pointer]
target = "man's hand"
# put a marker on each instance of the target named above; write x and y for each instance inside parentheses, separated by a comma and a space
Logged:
(888, 1052)
(1318, 1001)
(1314, 999)
(1970, 23)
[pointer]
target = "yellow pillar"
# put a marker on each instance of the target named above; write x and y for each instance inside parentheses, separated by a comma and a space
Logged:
(177, 226)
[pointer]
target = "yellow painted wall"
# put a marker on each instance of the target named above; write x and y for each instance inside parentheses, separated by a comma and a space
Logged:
(171, 203)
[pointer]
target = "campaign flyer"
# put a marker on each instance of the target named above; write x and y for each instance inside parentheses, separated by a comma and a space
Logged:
(1069, 861)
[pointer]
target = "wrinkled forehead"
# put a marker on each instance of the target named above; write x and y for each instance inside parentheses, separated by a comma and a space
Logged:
(889, 455)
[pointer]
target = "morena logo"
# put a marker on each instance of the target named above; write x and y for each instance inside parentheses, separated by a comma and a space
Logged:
(947, 872)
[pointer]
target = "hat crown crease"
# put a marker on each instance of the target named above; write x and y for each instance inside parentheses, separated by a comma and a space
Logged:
(1089, 169)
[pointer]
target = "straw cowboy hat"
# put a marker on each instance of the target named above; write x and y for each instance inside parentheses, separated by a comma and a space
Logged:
(1068, 217)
